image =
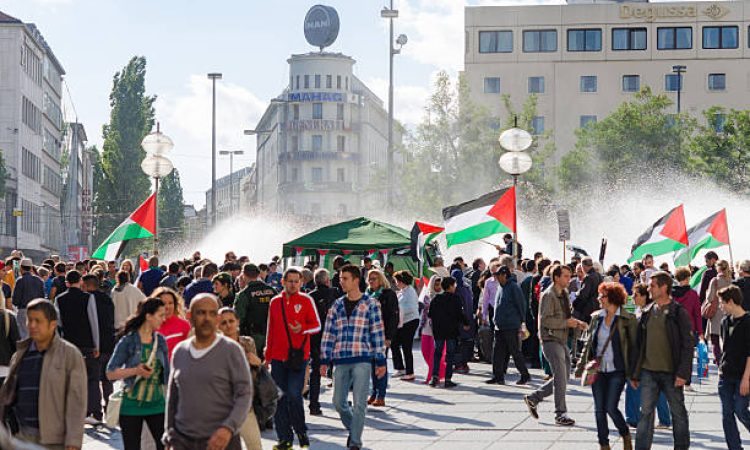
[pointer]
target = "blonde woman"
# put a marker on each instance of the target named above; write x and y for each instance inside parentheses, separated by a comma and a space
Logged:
(713, 327)
(175, 328)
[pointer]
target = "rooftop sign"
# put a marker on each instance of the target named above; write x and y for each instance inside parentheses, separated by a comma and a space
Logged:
(652, 12)
(321, 26)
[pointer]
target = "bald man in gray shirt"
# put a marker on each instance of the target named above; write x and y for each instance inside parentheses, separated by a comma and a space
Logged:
(210, 388)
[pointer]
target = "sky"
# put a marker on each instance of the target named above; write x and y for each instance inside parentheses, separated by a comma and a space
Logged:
(248, 41)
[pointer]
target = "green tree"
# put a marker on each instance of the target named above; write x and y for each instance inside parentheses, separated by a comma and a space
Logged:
(452, 155)
(3, 174)
(171, 208)
(640, 134)
(122, 185)
(720, 148)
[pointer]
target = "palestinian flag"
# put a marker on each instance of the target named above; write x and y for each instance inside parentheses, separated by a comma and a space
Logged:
(665, 236)
(490, 214)
(141, 224)
(695, 280)
(421, 235)
(712, 232)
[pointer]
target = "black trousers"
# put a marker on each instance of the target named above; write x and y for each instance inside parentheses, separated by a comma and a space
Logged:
(131, 427)
(403, 343)
(93, 373)
(107, 387)
(507, 344)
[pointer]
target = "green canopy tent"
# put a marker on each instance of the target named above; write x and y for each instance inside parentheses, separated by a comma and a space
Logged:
(354, 239)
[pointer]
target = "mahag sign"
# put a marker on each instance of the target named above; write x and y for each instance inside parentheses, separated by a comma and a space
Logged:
(321, 26)
(316, 97)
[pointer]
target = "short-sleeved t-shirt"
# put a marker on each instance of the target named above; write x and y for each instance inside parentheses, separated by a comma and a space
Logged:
(147, 396)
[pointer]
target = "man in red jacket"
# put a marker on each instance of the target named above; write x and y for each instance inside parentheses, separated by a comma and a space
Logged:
(292, 318)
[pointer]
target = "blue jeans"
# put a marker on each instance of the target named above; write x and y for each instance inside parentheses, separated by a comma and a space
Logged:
(355, 376)
(290, 413)
(607, 390)
(450, 351)
(379, 385)
(653, 383)
(633, 407)
(733, 404)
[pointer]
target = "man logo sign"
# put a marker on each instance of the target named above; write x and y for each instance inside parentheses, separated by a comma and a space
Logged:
(321, 26)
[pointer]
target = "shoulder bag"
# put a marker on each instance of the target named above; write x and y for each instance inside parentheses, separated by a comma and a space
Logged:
(591, 371)
(112, 416)
(295, 359)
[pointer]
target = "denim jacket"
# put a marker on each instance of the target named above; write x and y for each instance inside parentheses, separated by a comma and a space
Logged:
(127, 354)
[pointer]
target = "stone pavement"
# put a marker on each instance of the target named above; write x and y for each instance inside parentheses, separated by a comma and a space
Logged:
(477, 416)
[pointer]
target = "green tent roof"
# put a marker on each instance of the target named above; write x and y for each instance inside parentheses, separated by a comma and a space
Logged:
(358, 235)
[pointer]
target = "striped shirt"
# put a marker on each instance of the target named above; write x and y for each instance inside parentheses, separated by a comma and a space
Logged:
(27, 390)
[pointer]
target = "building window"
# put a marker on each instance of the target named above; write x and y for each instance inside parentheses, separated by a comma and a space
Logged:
(340, 143)
(317, 81)
(631, 83)
(307, 81)
(671, 82)
(586, 120)
(338, 81)
(297, 87)
(629, 39)
(588, 83)
(536, 85)
(329, 81)
(719, 121)
(537, 125)
(317, 112)
(317, 174)
(674, 38)
(492, 85)
(31, 165)
(721, 37)
(339, 111)
(295, 111)
(717, 81)
(495, 41)
(32, 217)
(317, 142)
(589, 40)
(31, 115)
(295, 174)
(295, 143)
(340, 175)
(346, 83)
(535, 41)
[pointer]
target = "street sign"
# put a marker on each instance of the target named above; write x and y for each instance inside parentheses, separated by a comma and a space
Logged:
(17, 213)
(563, 224)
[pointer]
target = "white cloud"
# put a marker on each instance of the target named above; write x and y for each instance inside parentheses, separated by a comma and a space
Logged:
(187, 120)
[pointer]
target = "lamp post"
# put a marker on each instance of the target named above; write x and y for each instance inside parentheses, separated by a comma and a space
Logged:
(390, 14)
(231, 154)
(213, 77)
(679, 70)
(515, 162)
(156, 165)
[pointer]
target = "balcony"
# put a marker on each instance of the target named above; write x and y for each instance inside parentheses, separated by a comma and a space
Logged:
(318, 156)
(296, 187)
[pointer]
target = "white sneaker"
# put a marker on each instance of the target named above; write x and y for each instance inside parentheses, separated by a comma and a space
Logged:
(399, 374)
(91, 421)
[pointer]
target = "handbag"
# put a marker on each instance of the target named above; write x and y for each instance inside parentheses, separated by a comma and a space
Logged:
(114, 404)
(296, 356)
(709, 308)
(591, 371)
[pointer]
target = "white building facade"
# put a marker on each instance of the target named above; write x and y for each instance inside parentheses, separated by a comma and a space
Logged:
(584, 58)
(321, 142)
(31, 129)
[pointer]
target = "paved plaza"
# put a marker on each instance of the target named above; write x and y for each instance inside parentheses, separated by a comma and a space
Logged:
(477, 416)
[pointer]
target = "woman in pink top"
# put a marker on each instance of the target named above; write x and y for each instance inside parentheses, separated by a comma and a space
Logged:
(175, 328)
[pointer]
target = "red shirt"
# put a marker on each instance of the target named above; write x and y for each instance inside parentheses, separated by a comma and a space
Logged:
(175, 330)
(303, 320)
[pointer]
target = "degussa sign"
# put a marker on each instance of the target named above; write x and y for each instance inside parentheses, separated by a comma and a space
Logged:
(652, 12)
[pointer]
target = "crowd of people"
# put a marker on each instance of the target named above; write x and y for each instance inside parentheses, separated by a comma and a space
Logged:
(210, 354)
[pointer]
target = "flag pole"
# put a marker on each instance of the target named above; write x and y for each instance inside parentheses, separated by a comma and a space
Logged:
(515, 218)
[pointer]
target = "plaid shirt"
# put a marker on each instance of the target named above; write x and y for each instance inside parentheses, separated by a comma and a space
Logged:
(359, 338)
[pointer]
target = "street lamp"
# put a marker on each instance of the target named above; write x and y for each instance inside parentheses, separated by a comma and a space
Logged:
(515, 162)
(213, 77)
(231, 154)
(156, 165)
(679, 70)
(390, 14)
